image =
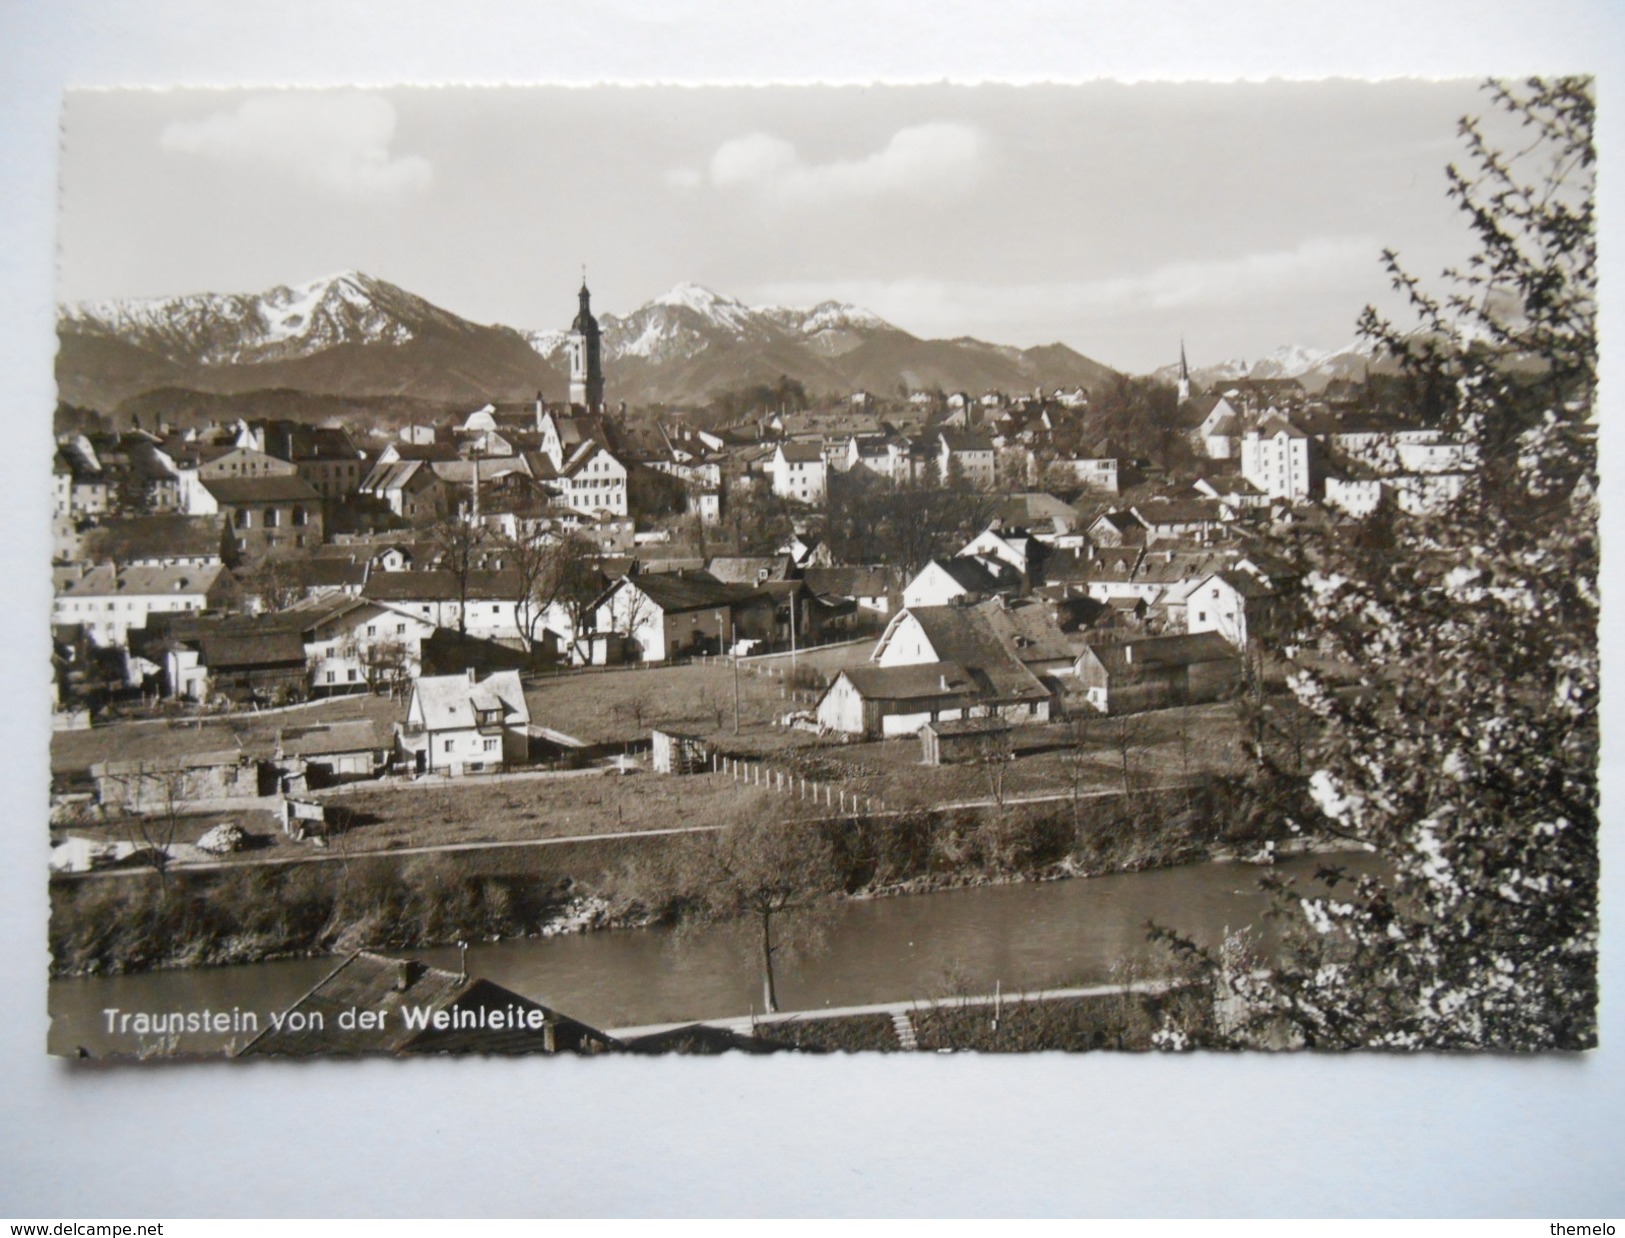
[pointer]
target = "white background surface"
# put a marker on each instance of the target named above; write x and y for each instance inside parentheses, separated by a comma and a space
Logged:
(1089, 1135)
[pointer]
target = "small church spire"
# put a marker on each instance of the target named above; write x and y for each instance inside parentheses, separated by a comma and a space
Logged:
(1184, 373)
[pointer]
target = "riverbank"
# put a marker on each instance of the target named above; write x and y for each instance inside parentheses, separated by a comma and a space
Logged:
(247, 915)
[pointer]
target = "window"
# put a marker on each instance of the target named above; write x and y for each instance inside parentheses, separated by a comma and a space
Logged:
(400, 629)
(352, 674)
(243, 521)
(490, 745)
(372, 628)
(446, 747)
(331, 676)
(272, 518)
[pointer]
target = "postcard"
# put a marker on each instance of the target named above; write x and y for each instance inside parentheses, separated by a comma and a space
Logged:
(813, 569)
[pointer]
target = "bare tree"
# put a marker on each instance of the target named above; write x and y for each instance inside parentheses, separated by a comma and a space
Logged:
(549, 572)
(1077, 764)
(994, 757)
(274, 580)
(154, 799)
(1125, 733)
(768, 876)
(387, 666)
(459, 549)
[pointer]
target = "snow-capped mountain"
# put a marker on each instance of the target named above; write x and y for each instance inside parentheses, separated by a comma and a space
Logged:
(348, 334)
(1313, 367)
(282, 323)
(689, 319)
(353, 335)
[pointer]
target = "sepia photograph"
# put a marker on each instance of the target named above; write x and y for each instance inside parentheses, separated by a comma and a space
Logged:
(814, 569)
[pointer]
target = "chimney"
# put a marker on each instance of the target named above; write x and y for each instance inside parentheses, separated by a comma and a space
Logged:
(403, 975)
(550, 1033)
(471, 676)
(943, 682)
(1128, 652)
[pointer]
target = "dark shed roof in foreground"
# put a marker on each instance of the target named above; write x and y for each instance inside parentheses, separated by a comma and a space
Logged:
(407, 997)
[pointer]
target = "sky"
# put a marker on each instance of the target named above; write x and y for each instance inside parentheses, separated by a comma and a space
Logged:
(1117, 219)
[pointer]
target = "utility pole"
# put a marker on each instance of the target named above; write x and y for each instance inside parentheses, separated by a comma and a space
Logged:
(734, 658)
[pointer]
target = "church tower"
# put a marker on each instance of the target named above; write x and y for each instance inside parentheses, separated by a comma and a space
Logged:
(586, 365)
(1184, 375)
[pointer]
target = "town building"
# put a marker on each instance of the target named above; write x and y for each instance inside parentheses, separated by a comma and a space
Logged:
(584, 346)
(265, 514)
(800, 472)
(455, 725)
(109, 601)
(1155, 672)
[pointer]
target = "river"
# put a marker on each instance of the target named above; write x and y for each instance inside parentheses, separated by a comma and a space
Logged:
(1022, 936)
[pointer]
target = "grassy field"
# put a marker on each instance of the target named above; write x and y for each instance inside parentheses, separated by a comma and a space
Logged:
(265, 836)
(162, 740)
(1160, 748)
(621, 706)
(478, 811)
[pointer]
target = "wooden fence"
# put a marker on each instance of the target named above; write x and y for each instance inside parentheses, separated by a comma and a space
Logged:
(838, 799)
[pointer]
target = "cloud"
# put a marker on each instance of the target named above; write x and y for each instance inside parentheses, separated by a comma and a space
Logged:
(919, 159)
(338, 143)
(1222, 280)
(939, 306)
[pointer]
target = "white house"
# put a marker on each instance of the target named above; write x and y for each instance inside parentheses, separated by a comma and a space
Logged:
(356, 642)
(486, 606)
(933, 664)
(962, 578)
(800, 472)
(109, 601)
(666, 615)
(968, 455)
(592, 480)
(1233, 603)
(1213, 424)
(455, 725)
(1011, 547)
(1279, 459)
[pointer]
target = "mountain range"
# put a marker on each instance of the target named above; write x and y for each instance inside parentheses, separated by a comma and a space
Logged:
(1314, 368)
(351, 336)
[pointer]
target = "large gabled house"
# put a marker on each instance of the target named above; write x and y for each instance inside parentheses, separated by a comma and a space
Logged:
(963, 578)
(264, 514)
(455, 725)
(657, 616)
(354, 644)
(479, 603)
(109, 602)
(1154, 672)
(933, 664)
(409, 488)
(1236, 604)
